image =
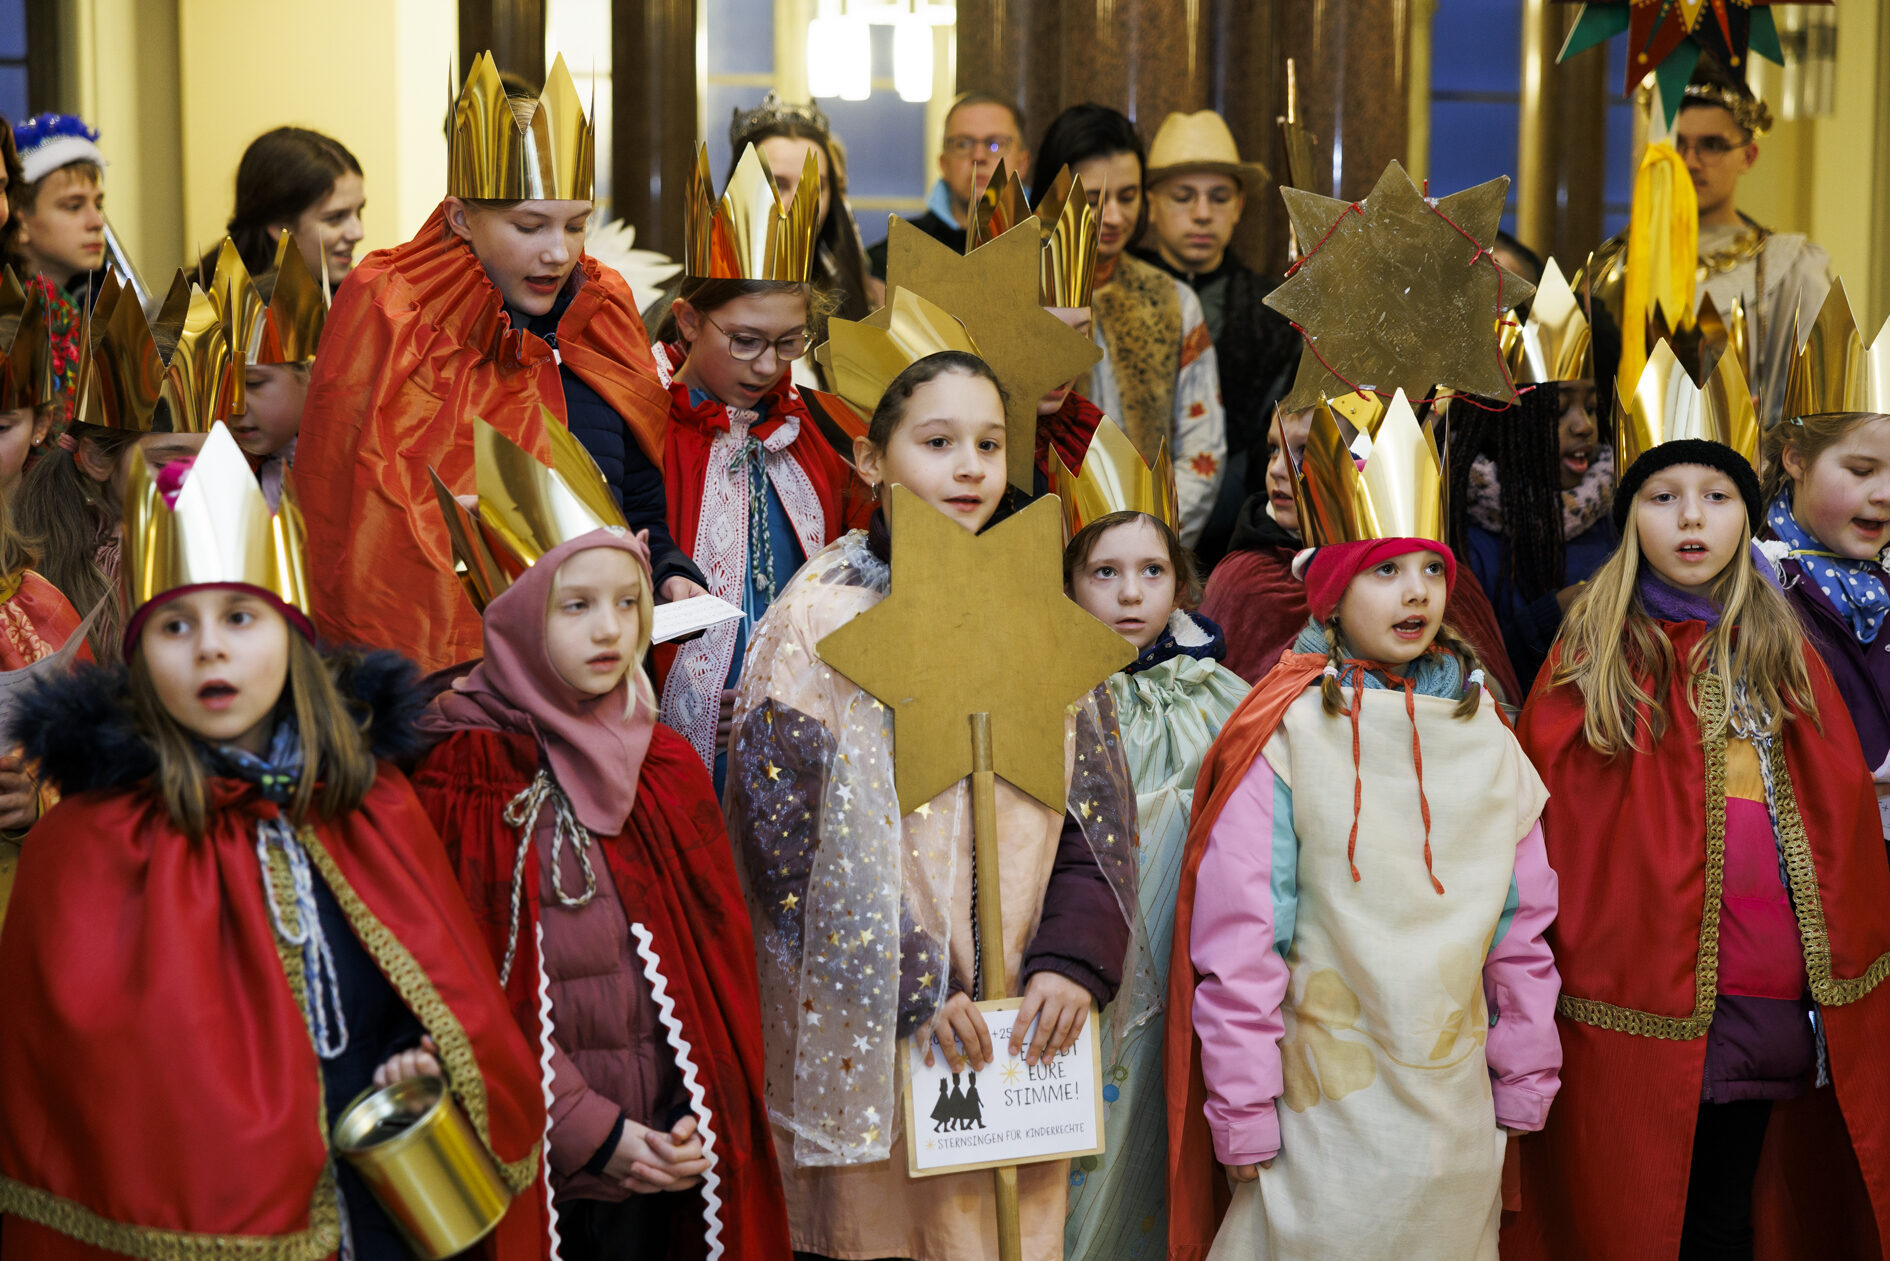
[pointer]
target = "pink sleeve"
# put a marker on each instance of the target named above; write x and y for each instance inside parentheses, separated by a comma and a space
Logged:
(1521, 984)
(1244, 976)
(581, 1119)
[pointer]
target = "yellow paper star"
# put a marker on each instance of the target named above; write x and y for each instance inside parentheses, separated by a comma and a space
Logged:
(1389, 297)
(993, 292)
(964, 631)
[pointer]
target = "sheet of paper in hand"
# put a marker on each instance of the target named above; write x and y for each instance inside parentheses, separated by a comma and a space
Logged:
(682, 619)
(1012, 1113)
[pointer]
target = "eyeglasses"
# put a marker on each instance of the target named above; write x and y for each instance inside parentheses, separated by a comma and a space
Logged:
(967, 146)
(744, 348)
(1707, 146)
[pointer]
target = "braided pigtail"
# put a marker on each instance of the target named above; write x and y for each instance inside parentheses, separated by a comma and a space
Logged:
(1473, 685)
(1331, 698)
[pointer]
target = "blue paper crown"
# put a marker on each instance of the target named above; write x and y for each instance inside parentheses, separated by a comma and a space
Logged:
(40, 128)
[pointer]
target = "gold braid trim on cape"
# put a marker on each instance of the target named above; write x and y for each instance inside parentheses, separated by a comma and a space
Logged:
(1800, 868)
(1139, 312)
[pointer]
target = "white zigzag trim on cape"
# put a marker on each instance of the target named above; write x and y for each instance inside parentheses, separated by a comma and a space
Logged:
(544, 1081)
(666, 1012)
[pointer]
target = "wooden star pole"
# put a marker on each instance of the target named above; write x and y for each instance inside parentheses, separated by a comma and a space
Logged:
(979, 654)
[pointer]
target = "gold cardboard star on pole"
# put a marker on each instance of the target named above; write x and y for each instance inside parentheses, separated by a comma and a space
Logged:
(1393, 297)
(976, 623)
(993, 292)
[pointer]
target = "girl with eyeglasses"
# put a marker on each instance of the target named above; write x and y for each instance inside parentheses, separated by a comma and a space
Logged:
(753, 487)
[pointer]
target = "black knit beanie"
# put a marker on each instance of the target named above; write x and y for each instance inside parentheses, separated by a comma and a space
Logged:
(1714, 455)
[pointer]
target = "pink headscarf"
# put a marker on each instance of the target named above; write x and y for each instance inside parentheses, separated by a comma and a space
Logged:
(594, 744)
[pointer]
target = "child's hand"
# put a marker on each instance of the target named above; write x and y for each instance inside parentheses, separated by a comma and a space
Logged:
(649, 1161)
(724, 720)
(1059, 1005)
(1247, 1173)
(1513, 1132)
(19, 794)
(678, 588)
(958, 1021)
(419, 1061)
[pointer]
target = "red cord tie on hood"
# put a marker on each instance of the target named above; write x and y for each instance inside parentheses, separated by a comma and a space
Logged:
(1354, 672)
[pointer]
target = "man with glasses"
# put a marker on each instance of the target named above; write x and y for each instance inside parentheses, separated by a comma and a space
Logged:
(1778, 277)
(980, 130)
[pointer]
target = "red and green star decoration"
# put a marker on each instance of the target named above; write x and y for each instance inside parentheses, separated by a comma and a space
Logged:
(1669, 36)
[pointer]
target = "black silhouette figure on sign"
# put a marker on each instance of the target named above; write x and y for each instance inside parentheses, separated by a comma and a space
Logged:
(955, 1106)
(942, 1110)
(974, 1107)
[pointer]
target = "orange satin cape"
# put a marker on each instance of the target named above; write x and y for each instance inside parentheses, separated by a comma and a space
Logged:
(161, 1092)
(419, 343)
(1197, 1190)
(1628, 837)
(35, 622)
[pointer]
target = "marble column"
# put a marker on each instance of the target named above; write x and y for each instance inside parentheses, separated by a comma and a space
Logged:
(513, 31)
(653, 145)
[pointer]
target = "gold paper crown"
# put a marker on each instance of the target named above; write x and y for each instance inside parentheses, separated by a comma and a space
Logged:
(1555, 343)
(285, 329)
(1066, 223)
(182, 359)
(1666, 405)
(26, 371)
(1748, 111)
(494, 156)
(749, 234)
(1114, 478)
(1836, 371)
(525, 508)
(221, 530)
(863, 356)
(1398, 493)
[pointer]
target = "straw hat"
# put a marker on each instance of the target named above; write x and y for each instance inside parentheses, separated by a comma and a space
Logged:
(1188, 143)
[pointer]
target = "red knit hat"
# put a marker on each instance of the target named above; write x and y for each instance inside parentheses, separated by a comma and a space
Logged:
(1328, 570)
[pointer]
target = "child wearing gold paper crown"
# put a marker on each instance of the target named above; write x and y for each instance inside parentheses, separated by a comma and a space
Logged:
(236, 921)
(753, 487)
(1128, 568)
(813, 812)
(1713, 824)
(552, 776)
(1361, 1001)
(492, 310)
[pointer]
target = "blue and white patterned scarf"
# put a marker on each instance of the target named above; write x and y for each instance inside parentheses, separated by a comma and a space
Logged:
(1855, 587)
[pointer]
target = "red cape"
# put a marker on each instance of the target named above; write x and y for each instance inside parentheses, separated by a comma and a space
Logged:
(1255, 600)
(1197, 1190)
(417, 344)
(1068, 430)
(158, 1074)
(675, 873)
(1606, 1179)
(36, 612)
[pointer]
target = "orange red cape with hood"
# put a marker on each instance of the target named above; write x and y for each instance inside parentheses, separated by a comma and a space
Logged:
(419, 343)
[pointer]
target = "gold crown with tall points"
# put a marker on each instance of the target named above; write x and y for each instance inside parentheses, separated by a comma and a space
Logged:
(284, 329)
(1066, 223)
(1385, 483)
(1837, 371)
(182, 359)
(1114, 478)
(525, 507)
(1666, 405)
(220, 530)
(862, 357)
(749, 234)
(500, 152)
(26, 363)
(1555, 343)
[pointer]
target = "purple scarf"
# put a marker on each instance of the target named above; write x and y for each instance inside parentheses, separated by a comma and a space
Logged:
(1665, 602)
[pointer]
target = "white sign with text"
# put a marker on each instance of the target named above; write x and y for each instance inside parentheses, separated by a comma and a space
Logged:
(1011, 1113)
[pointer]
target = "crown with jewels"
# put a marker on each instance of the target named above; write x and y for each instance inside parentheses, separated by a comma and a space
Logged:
(1114, 478)
(525, 507)
(749, 234)
(548, 154)
(862, 357)
(219, 531)
(775, 111)
(1837, 371)
(1748, 111)
(1666, 404)
(1554, 343)
(284, 329)
(1067, 225)
(1386, 483)
(182, 359)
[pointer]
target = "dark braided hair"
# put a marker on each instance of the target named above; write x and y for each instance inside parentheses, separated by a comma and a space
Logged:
(1524, 441)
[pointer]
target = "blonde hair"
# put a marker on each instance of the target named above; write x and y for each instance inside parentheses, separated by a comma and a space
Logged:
(1809, 436)
(1612, 650)
(1332, 697)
